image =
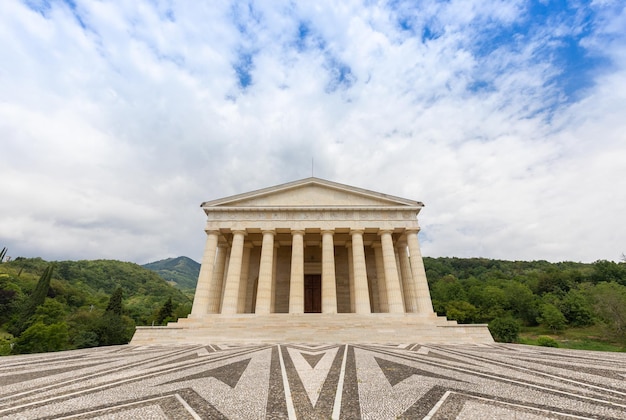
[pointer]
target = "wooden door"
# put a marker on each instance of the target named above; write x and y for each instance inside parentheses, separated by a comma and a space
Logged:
(313, 293)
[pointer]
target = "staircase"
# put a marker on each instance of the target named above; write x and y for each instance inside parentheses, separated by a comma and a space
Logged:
(314, 328)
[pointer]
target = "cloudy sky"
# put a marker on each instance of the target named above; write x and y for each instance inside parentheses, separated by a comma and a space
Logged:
(506, 118)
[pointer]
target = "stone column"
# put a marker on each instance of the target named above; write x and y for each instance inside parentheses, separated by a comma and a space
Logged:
(424, 304)
(296, 282)
(380, 277)
(274, 279)
(400, 278)
(329, 284)
(394, 296)
(361, 292)
(205, 278)
(350, 275)
(245, 273)
(408, 285)
(231, 289)
(218, 279)
(266, 270)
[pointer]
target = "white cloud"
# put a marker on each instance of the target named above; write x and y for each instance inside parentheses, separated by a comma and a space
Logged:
(117, 119)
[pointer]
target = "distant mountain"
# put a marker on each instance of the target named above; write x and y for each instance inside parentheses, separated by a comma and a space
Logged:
(182, 272)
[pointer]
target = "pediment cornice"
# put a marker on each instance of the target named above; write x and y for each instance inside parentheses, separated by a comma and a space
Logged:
(311, 194)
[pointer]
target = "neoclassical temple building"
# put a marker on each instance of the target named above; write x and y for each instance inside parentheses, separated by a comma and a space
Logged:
(312, 261)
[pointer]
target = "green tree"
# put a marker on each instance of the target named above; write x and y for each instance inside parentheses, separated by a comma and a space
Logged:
(461, 311)
(166, 311)
(29, 306)
(608, 271)
(576, 309)
(609, 301)
(40, 337)
(448, 288)
(115, 302)
(552, 317)
(114, 328)
(522, 302)
(505, 329)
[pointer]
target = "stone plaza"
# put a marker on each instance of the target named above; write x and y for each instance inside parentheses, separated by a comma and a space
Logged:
(312, 261)
(321, 381)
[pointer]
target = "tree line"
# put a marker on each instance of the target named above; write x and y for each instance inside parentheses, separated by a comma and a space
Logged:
(512, 295)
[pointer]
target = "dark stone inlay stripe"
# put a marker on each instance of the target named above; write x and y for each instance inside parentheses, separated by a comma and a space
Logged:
(436, 355)
(313, 349)
(186, 358)
(167, 401)
(324, 406)
(422, 407)
(312, 359)
(276, 402)
(229, 374)
(397, 372)
(350, 405)
(604, 373)
(29, 376)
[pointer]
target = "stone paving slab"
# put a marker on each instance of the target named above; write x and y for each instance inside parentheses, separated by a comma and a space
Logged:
(321, 381)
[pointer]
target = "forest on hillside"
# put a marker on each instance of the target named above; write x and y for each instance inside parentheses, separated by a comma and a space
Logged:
(50, 306)
(570, 304)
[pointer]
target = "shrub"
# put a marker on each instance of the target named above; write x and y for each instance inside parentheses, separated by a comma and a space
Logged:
(546, 341)
(505, 330)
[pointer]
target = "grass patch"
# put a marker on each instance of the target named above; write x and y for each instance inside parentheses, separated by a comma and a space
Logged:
(584, 338)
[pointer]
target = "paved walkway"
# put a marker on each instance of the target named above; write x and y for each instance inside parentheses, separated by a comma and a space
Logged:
(315, 382)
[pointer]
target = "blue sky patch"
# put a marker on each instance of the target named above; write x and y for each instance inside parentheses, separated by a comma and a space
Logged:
(243, 69)
(573, 66)
(341, 76)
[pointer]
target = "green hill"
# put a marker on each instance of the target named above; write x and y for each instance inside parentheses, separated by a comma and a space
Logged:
(77, 310)
(182, 272)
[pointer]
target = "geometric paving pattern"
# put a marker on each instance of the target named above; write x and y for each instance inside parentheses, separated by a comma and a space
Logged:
(299, 381)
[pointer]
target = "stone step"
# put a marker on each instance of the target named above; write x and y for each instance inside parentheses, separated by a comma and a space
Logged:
(313, 328)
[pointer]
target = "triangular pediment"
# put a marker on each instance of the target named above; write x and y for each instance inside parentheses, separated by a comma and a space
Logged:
(312, 192)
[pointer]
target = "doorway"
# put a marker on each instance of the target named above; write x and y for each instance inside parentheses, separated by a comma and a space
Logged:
(313, 293)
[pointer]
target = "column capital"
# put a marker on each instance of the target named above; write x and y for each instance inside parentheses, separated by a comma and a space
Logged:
(270, 231)
(212, 231)
(242, 231)
(297, 232)
(384, 231)
(324, 231)
(357, 231)
(413, 229)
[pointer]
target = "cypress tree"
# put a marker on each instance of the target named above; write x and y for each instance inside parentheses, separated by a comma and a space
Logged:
(114, 328)
(36, 298)
(115, 302)
(166, 311)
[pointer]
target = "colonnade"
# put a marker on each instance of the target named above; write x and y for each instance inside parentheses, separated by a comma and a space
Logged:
(401, 279)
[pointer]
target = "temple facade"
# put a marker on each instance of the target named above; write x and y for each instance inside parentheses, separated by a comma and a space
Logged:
(312, 260)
